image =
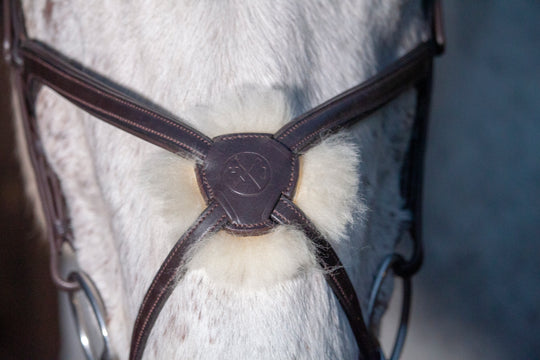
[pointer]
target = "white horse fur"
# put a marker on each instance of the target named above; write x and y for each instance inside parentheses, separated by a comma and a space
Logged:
(228, 66)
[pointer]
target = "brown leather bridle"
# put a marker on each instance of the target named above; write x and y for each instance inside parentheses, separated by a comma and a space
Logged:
(247, 179)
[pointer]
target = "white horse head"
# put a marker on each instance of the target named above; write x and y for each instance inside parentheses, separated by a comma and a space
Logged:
(228, 67)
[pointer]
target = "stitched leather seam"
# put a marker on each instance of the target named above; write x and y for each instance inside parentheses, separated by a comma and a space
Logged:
(331, 273)
(300, 215)
(292, 128)
(177, 247)
(151, 131)
(283, 218)
(389, 78)
(295, 146)
(154, 115)
(206, 183)
(293, 172)
(266, 222)
(163, 267)
(160, 295)
(338, 284)
(242, 136)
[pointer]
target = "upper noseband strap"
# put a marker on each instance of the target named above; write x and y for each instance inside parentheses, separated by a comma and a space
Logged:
(211, 220)
(116, 108)
(358, 102)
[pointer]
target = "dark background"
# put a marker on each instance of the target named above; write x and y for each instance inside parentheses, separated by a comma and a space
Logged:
(28, 311)
(477, 296)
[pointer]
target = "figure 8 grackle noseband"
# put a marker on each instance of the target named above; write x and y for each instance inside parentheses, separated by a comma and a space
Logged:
(247, 179)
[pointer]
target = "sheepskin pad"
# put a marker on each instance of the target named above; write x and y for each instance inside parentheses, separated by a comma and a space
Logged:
(328, 175)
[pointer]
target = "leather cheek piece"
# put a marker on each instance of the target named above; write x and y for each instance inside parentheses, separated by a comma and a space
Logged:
(247, 174)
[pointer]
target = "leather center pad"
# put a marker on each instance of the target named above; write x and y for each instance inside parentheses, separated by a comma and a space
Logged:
(247, 173)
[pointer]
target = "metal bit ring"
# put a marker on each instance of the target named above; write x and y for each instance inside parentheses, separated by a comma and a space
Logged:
(389, 262)
(91, 304)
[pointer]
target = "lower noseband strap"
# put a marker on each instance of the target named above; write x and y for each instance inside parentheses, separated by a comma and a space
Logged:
(215, 218)
(287, 213)
(211, 220)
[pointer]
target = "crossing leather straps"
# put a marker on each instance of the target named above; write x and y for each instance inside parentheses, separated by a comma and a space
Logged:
(271, 160)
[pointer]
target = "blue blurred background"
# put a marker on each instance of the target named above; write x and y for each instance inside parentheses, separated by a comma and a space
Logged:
(478, 295)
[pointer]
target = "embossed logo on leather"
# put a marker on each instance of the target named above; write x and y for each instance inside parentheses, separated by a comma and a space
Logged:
(246, 173)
